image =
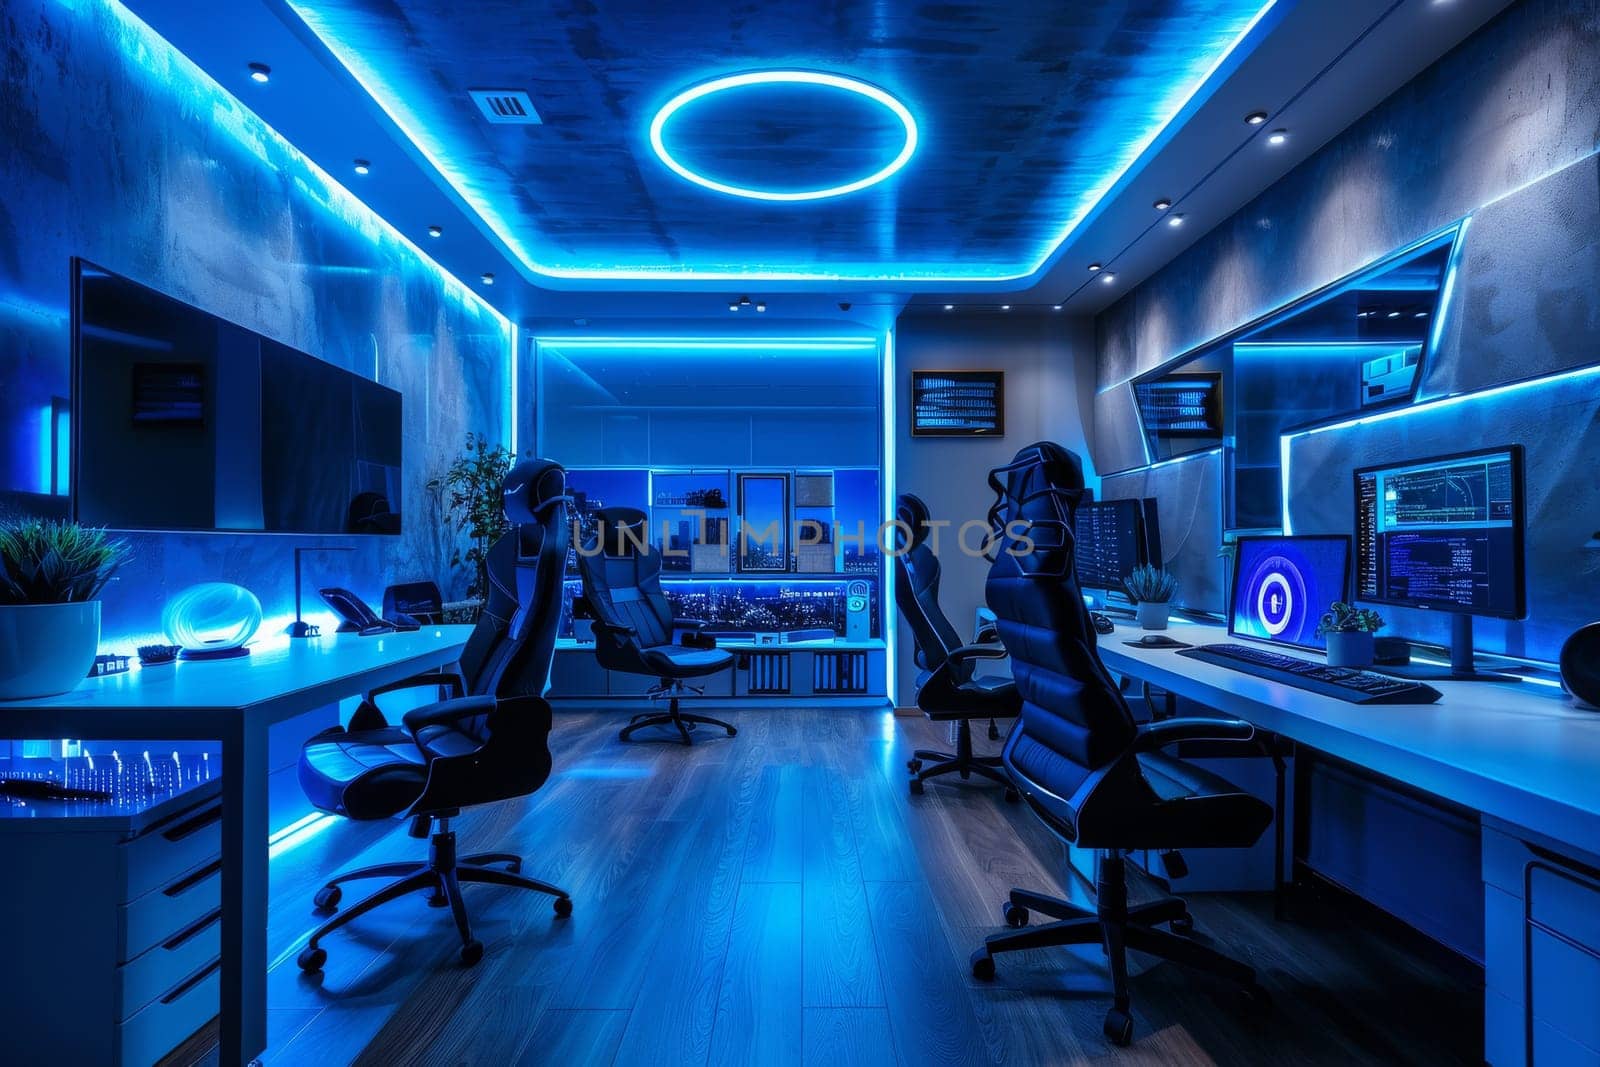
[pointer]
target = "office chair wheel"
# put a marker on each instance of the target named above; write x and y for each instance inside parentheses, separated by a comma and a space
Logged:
(311, 958)
(733, 731)
(1012, 796)
(913, 765)
(328, 898)
(916, 787)
(438, 899)
(1183, 925)
(1014, 914)
(983, 965)
(471, 952)
(563, 906)
(1118, 1027)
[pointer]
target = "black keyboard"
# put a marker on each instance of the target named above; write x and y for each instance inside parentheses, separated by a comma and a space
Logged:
(1341, 683)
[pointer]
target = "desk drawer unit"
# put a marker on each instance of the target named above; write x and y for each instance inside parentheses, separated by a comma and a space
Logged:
(118, 923)
(1542, 966)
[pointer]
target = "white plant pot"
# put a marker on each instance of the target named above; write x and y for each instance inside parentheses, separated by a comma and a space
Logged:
(1152, 615)
(46, 649)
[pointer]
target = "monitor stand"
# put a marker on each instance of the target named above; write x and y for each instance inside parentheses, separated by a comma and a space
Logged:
(1461, 668)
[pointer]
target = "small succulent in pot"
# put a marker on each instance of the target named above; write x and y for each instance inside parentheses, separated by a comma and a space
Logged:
(1349, 631)
(1152, 590)
(1343, 618)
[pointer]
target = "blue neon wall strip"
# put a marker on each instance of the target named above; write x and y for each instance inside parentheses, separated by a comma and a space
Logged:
(891, 616)
(1426, 406)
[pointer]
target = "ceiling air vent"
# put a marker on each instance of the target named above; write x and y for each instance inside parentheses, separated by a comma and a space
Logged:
(509, 107)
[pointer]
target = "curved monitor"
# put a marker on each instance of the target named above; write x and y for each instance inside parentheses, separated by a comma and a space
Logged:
(1282, 585)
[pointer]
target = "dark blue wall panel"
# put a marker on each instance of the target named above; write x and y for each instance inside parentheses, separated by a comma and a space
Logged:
(1502, 131)
(118, 149)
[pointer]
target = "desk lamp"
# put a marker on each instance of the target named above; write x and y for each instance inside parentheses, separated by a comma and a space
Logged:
(301, 628)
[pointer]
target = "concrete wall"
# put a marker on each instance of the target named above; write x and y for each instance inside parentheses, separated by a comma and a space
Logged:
(116, 148)
(1502, 130)
(1049, 367)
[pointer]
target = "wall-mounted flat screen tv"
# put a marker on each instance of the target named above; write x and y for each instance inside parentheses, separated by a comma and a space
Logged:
(185, 421)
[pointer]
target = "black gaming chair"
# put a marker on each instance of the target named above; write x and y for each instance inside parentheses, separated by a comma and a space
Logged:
(633, 623)
(1087, 770)
(946, 688)
(469, 750)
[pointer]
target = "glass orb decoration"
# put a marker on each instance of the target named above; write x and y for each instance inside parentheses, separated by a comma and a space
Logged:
(212, 620)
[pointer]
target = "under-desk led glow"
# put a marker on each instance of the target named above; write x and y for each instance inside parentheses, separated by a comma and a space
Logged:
(830, 82)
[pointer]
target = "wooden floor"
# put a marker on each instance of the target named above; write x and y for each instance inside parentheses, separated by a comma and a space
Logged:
(779, 898)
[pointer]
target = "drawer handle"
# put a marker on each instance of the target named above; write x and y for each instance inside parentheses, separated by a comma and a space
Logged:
(194, 825)
(193, 930)
(1567, 864)
(193, 980)
(183, 885)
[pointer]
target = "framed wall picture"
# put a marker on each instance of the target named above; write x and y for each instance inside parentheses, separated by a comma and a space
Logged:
(958, 403)
(763, 523)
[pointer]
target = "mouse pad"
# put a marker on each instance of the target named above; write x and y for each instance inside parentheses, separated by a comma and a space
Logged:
(1165, 642)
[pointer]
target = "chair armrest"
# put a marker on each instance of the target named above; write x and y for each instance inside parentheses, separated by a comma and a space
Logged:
(1152, 736)
(418, 681)
(689, 624)
(600, 626)
(447, 712)
(966, 652)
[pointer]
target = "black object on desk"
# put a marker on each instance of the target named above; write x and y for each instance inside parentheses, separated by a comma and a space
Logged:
(1341, 683)
(46, 789)
(1156, 641)
(301, 628)
(1102, 623)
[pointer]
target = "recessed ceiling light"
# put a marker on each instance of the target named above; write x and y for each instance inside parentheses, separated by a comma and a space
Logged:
(1108, 277)
(1094, 267)
(1394, 314)
(1256, 118)
(761, 305)
(363, 167)
(1056, 308)
(1162, 204)
(1420, 315)
(435, 231)
(733, 305)
(1175, 220)
(1005, 307)
(488, 278)
(949, 307)
(1277, 137)
(260, 72)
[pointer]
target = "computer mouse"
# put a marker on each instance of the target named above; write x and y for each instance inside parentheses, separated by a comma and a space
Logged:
(1155, 641)
(1102, 623)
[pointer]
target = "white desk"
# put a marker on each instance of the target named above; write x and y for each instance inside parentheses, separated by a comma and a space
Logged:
(1518, 752)
(1523, 757)
(233, 702)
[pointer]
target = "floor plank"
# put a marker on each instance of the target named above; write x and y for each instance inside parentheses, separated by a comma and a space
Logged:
(781, 897)
(759, 1020)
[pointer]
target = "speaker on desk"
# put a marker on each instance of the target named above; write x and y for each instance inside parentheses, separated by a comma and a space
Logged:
(1580, 666)
(858, 611)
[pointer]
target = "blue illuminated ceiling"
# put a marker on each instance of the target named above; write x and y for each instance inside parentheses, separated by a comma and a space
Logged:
(1027, 116)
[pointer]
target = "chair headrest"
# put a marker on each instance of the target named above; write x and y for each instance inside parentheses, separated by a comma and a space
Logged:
(1029, 486)
(530, 488)
(913, 516)
(623, 531)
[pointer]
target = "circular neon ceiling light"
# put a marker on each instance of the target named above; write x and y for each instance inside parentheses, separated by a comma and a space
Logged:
(783, 77)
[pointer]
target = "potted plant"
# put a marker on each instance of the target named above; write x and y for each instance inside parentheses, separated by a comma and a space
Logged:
(51, 574)
(1349, 631)
(1152, 590)
(475, 482)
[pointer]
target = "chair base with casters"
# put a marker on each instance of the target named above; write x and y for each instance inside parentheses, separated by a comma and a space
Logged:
(446, 756)
(1116, 927)
(442, 877)
(927, 763)
(672, 690)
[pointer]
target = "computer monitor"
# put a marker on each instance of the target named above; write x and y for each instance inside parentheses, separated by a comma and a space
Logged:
(1109, 541)
(1444, 534)
(1282, 585)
